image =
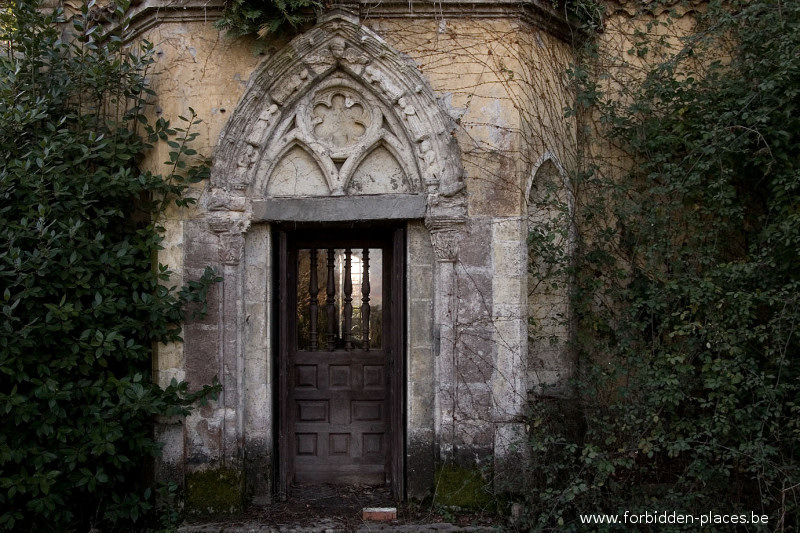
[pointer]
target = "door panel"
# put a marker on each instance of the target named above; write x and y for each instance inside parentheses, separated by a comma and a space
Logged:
(340, 416)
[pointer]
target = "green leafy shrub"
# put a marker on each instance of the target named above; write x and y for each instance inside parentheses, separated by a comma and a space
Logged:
(687, 287)
(82, 303)
(265, 17)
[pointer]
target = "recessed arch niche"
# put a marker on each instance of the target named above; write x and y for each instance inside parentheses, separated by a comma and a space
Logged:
(550, 219)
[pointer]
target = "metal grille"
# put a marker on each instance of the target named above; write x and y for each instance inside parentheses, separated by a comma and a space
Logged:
(349, 282)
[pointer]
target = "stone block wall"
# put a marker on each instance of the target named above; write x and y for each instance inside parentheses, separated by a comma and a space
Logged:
(486, 84)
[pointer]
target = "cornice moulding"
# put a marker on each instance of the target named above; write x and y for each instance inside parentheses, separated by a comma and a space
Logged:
(539, 13)
(146, 14)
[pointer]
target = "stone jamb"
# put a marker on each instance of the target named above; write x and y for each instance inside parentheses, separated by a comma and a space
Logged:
(257, 369)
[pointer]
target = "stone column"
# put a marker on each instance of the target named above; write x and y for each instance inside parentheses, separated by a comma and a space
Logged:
(231, 250)
(444, 238)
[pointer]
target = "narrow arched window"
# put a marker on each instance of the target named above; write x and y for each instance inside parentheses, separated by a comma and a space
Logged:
(550, 239)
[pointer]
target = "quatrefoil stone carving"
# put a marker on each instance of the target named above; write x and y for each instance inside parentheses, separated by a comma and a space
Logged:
(339, 119)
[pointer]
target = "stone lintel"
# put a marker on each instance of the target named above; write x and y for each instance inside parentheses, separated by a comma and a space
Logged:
(340, 208)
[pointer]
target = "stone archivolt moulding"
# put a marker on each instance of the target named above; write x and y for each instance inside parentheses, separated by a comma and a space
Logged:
(338, 112)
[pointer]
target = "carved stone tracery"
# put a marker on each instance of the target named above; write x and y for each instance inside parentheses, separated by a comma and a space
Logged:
(339, 118)
(349, 110)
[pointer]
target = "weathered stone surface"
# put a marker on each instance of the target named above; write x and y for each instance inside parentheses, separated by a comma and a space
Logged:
(476, 355)
(341, 209)
(419, 332)
(420, 278)
(203, 435)
(473, 402)
(510, 457)
(420, 463)
(474, 293)
(475, 250)
(367, 121)
(258, 471)
(298, 174)
(169, 467)
(202, 342)
(420, 404)
(379, 173)
(419, 249)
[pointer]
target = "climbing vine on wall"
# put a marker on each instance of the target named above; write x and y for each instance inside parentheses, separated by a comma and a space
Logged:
(687, 292)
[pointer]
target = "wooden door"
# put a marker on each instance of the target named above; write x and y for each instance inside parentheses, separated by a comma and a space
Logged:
(340, 350)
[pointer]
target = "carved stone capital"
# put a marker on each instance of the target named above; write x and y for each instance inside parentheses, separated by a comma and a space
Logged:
(231, 248)
(228, 223)
(221, 200)
(445, 243)
(447, 209)
(220, 225)
(231, 238)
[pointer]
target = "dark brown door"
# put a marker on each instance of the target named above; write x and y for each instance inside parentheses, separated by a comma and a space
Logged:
(340, 350)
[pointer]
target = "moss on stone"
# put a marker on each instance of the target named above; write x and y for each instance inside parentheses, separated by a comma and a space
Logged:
(461, 487)
(214, 492)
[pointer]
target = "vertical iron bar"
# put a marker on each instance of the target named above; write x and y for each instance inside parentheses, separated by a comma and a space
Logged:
(365, 299)
(348, 300)
(313, 292)
(331, 291)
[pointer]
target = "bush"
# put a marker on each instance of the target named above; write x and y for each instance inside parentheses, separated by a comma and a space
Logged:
(82, 302)
(687, 287)
(265, 17)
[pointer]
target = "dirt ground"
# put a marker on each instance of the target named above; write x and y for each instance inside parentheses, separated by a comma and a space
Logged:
(342, 505)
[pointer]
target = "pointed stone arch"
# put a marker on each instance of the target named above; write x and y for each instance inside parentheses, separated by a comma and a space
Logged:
(380, 110)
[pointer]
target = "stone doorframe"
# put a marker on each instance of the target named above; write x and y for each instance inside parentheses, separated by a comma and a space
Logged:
(400, 130)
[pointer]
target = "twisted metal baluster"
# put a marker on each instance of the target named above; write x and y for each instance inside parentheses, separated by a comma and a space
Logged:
(348, 301)
(313, 292)
(365, 300)
(331, 291)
